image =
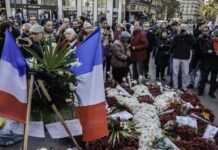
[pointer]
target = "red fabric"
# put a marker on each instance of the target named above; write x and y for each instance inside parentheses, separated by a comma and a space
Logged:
(140, 42)
(215, 45)
(93, 119)
(11, 108)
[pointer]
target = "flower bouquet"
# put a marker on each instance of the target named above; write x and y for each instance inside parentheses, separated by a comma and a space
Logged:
(51, 65)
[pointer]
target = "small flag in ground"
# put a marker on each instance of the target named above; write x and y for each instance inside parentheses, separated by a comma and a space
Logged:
(90, 89)
(13, 82)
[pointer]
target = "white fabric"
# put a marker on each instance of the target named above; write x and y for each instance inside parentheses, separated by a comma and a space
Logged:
(12, 83)
(184, 65)
(91, 87)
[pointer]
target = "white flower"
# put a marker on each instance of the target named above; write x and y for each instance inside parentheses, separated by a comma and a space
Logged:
(76, 63)
(145, 116)
(53, 44)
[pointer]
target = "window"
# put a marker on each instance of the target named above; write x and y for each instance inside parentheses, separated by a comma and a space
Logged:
(32, 1)
(49, 2)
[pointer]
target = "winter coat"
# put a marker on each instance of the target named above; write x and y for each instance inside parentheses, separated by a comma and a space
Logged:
(181, 46)
(207, 54)
(163, 53)
(140, 42)
(119, 57)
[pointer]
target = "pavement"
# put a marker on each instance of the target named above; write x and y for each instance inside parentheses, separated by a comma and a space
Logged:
(38, 143)
(212, 104)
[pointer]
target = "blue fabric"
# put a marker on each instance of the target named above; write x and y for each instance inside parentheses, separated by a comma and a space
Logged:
(89, 53)
(12, 54)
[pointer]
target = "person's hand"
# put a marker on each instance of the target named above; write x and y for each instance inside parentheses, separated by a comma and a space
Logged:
(28, 42)
(133, 47)
(62, 27)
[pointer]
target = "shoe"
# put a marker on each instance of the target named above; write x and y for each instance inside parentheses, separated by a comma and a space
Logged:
(212, 95)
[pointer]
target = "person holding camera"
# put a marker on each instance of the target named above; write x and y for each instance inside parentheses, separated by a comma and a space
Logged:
(32, 42)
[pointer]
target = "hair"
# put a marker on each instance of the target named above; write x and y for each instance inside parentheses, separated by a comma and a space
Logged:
(103, 19)
(82, 18)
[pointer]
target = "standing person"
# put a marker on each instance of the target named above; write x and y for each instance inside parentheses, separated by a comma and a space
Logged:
(162, 56)
(150, 39)
(33, 42)
(138, 43)
(87, 30)
(33, 20)
(107, 39)
(120, 57)
(69, 39)
(62, 28)
(181, 52)
(25, 30)
(49, 30)
(209, 57)
(118, 30)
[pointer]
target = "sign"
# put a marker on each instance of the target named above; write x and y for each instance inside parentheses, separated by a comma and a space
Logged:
(186, 120)
(124, 115)
(57, 130)
(33, 6)
(210, 132)
(36, 129)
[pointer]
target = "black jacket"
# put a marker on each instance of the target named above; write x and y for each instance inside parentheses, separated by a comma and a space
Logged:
(208, 57)
(162, 55)
(182, 45)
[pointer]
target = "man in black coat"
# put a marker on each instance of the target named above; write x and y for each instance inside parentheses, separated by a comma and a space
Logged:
(209, 63)
(181, 51)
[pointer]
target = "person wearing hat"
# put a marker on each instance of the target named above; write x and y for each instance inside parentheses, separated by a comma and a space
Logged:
(33, 41)
(120, 57)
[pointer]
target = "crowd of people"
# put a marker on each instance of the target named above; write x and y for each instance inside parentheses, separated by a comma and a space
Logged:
(185, 56)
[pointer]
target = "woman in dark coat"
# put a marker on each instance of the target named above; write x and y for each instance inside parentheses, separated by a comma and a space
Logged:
(162, 56)
(120, 57)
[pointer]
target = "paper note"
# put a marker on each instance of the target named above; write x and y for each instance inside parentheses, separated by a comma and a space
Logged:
(186, 120)
(210, 132)
(124, 115)
(36, 129)
(57, 131)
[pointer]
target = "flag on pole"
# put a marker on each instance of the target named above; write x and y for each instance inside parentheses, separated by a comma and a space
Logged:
(90, 89)
(13, 82)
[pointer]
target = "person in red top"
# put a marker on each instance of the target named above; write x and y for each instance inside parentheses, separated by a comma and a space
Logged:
(138, 43)
(215, 41)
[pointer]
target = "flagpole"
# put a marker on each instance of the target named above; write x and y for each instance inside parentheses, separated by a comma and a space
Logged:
(29, 103)
(53, 106)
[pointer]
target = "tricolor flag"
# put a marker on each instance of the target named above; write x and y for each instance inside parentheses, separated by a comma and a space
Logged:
(90, 88)
(13, 82)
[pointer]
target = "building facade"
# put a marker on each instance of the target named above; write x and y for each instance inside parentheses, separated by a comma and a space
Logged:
(190, 9)
(57, 9)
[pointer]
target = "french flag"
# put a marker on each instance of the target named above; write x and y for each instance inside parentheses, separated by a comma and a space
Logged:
(90, 89)
(13, 81)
